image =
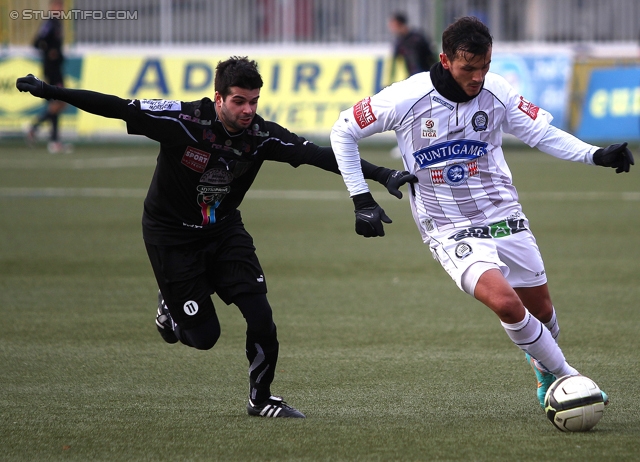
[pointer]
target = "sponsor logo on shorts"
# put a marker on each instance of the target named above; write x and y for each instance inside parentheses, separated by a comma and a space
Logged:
(195, 159)
(363, 113)
(160, 105)
(463, 250)
(528, 108)
(190, 307)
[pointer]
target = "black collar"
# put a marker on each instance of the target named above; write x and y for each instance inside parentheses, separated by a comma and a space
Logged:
(446, 86)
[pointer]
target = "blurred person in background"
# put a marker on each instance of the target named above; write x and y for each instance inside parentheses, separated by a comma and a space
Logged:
(210, 154)
(412, 47)
(449, 125)
(49, 42)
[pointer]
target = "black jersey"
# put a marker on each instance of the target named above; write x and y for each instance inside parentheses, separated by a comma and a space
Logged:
(203, 172)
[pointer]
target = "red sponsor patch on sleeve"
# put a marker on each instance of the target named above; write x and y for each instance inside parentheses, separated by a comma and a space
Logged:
(195, 159)
(363, 113)
(528, 108)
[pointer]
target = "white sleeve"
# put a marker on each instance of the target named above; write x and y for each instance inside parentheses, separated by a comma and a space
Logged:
(374, 114)
(565, 146)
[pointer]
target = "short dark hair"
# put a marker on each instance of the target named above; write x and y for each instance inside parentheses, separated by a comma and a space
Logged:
(237, 72)
(467, 35)
(400, 17)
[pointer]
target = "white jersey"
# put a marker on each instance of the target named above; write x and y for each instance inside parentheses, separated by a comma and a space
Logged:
(455, 149)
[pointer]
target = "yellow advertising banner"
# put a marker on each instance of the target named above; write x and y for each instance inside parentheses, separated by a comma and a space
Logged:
(18, 110)
(303, 93)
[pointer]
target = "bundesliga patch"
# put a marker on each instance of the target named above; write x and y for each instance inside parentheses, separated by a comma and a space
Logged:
(428, 128)
(160, 105)
(363, 113)
(195, 159)
(528, 108)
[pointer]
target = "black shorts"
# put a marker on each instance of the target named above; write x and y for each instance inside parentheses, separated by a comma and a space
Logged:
(187, 274)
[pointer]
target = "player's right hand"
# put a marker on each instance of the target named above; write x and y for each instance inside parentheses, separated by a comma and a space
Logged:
(369, 216)
(32, 84)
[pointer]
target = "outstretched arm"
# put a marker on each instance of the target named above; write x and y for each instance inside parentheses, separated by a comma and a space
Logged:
(565, 146)
(89, 101)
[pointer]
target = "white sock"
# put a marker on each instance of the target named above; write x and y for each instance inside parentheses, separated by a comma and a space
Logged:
(531, 336)
(553, 325)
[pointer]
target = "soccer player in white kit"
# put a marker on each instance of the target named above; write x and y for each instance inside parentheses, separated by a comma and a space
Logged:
(449, 125)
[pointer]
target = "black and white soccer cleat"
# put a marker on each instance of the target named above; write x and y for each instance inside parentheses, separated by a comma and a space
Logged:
(164, 323)
(273, 407)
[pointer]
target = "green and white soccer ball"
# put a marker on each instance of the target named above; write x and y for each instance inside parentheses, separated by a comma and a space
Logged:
(574, 403)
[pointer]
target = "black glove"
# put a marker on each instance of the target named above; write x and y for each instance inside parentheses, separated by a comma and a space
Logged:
(32, 84)
(397, 179)
(369, 216)
(615, 156)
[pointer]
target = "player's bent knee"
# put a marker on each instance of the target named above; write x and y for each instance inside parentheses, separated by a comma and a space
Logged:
(202, 337)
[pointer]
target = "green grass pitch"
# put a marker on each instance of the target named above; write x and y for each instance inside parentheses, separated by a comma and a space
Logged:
(387, 358)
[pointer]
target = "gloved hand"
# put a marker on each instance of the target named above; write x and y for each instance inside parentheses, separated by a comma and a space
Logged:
(32, 84)
(615, 156)
(397, 179)
(369, 216)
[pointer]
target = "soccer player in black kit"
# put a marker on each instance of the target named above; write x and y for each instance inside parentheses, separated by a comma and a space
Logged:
(210, 153)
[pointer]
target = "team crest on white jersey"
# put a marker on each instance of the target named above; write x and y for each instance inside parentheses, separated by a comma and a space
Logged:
(480, 121)
(428, 128)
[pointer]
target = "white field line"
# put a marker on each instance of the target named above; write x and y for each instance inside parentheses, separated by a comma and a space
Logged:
(300, 194)
(60, 163)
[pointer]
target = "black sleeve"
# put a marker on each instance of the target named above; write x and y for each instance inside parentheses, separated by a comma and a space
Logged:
(369, 170)
(289, 147)
(89, 101)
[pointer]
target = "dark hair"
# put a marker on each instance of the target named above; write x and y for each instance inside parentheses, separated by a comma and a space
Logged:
(237, 72)
(467, 35)
(399, 17)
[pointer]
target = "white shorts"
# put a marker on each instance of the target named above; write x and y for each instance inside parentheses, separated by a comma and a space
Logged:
(516, 255)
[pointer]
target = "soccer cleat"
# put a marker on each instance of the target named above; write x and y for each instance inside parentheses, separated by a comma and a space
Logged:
(544, 377)
(605, 398)
(164, 323)
(273, 407)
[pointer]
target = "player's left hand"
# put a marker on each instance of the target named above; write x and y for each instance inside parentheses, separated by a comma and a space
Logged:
(32, 84)
(615, 156)
(397, 179)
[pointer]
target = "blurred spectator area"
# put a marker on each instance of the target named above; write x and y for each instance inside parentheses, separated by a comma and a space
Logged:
(183, 22)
